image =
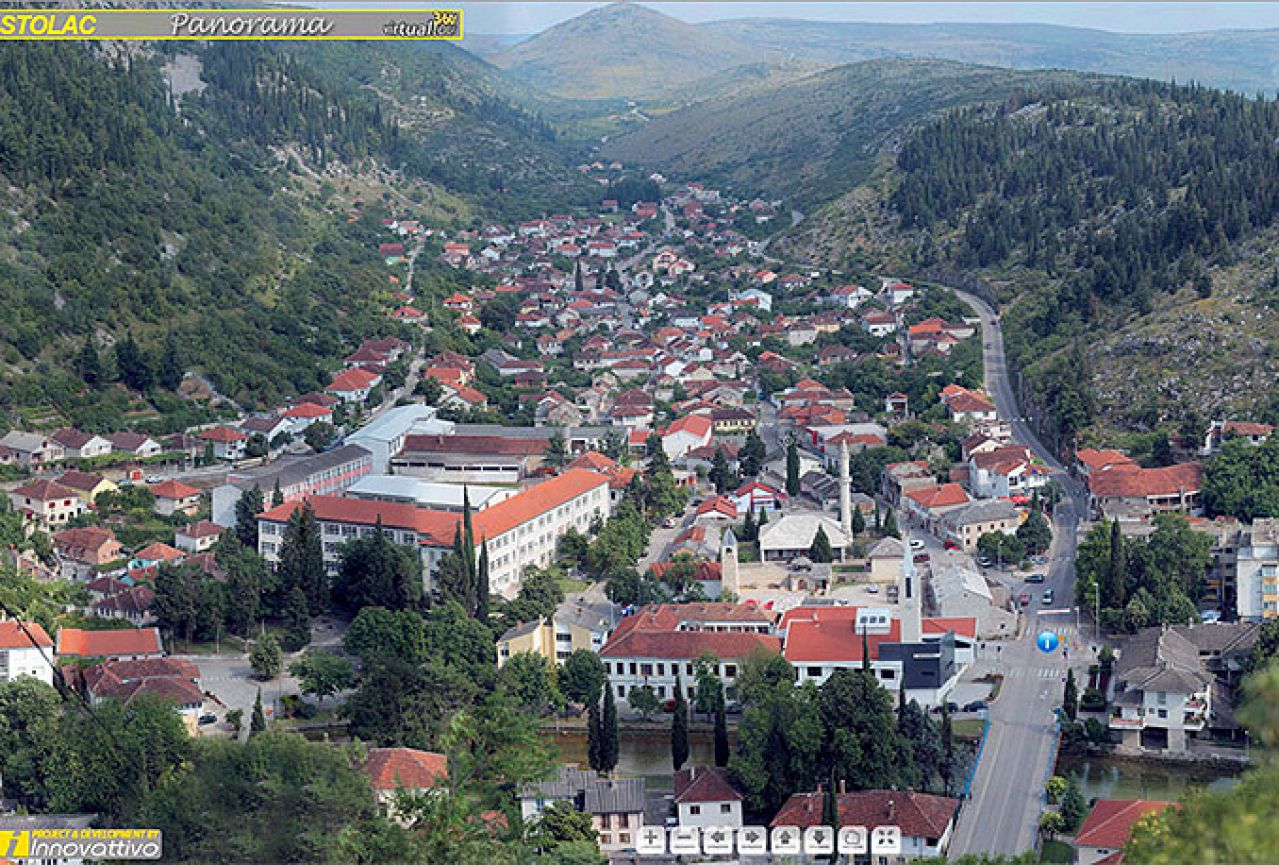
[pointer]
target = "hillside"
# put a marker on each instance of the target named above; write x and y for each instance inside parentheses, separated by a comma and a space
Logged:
(622, 51)
(812, 138)
(176, 197)
(1242, 60)
(1127, 229)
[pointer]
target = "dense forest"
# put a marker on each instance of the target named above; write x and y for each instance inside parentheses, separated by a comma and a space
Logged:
(1093, 204)
(170, 222)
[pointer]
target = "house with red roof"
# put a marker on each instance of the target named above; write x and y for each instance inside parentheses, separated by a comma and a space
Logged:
(1088, 460)
(26, 650)
(1128, 489)
(81, 445)
(929, 504)
(392, 770)
(685, 434)
(927, 822)
(45, 504)
(1108, 827)
(353, 385)
(968, 406)
(82, 550)
(90, 485)
(228, 444)
(304, 414)
(197, 537)
(658, 644)
(1220, 431)
(168, 679)
(1005, 471)
(129, 644)
(706, 796)
(174, 497)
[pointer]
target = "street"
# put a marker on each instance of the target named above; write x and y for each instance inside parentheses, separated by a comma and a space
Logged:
(1002, 815)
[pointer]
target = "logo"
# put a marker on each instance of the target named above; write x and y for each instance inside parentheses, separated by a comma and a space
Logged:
(76, 844)
(1047, 641)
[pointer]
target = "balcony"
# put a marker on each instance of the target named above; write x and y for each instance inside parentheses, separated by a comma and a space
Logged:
(1118, 722)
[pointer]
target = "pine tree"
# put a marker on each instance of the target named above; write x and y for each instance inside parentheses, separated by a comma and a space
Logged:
(246, 517)
(792, 469)
(610, 746)
(277, 495)
(1117, 572)
(947, 768)
(749, 530)
(679, 727)
(88, 364)
(593, 736)
(752, 455)
(302, 560)
(171, 368)
(820, 552)
(890, 525)
(859, 521)
(879, 519)
(482, 584)
(763, 520)
(721, 736)
(257, 722)
(830, 808)
(1070, 698)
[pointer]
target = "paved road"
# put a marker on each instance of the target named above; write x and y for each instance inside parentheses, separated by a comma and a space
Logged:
(1006, 794)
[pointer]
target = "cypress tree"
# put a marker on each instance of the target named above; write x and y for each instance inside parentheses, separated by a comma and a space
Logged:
(890, 525)
(679, 727)
(859, 521)
(721, 736)
(749, 529)
(947, 768)
(792, 469)
(830, 809)
(257, 722)
(593, 736)
(1070, 699)
(277, 495)
(246, 517)
(821, 551)
(482, 584)
(1117, 573)
(89, 363)
(610, 747)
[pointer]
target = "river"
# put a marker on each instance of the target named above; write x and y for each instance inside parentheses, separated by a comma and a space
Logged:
(644, 752)
(1118, 778)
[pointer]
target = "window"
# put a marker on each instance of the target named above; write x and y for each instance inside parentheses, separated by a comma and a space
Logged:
(730, 670)
(695, 809)
(623, 837)
(725, 808)
(814, 672)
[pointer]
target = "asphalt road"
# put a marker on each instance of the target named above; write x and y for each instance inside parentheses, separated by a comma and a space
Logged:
(1007, 790)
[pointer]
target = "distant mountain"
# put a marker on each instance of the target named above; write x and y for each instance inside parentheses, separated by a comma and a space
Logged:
(1243, 60)
(812, 138)
(625, 51)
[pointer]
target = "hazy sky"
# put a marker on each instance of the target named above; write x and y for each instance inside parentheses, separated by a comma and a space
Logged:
(530, 17)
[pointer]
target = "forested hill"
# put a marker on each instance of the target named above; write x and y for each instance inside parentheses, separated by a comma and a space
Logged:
(1096, 212)
(190, 218)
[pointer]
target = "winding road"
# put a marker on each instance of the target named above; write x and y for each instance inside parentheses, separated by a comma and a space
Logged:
(1006, 794)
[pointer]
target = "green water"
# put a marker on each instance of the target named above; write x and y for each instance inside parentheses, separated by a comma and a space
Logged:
(1111, 778)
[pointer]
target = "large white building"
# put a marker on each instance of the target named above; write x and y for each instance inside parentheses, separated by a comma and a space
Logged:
(521, 531)
(25, 651)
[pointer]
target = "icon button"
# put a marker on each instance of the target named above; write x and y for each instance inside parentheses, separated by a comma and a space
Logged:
(752, 841)
(686, 840)
(717, 840)
(1047, 641)
(853, 840)
(886, 841)
(819, 840)
(785, 839)
(651, 841)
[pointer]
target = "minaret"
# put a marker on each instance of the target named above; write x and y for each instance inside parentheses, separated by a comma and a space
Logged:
(908, 601)
(845, 494)
(728, 563)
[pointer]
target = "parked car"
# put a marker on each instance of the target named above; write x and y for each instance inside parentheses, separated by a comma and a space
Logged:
(873, 589)
(670, 523)
(916, 544)
(984, 561)
(975, 706)
(1048, 596)
(1035, 578)
(953, 707)
(1024, 599)
(921, 559)
(155, 479)
(208, 719)
(951, 545)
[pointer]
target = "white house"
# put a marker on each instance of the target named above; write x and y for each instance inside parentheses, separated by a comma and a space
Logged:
(685, 434)
(705, 797)
(25, 650)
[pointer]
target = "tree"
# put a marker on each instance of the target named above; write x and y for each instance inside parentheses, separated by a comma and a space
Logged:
(861, 742)
(916, 727)
(890, 524)
(132, 365)
(88, 363)
(1053, 788)
(752, 455)
(461, 642)
(582, 677)
(171, 368)
(323, 674)
(643, 700)
(1051, 823)
(257, 446)
(265, 658)
(792, 469)
(556, 455)
(235, 719)
(859, 521)
(247, 508)
(297, 621)
(376, 572)
(721, 736)
(483, 585)
(378, 634)
(947, 768)
(302, 560)
(1116, 588)
(593, 741)
(277, 494)
(750, 531)
(257, 722)
(319, 435)
(1034, 533)
(1070, 698)
(708, 695)
(821, 552)
(562, 822)
(721, 474)
(679, 727)
(530, 679)
(1073, 807)
(610, 746)
(176, 607)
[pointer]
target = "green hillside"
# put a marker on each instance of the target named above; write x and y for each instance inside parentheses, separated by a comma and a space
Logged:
(196, 218)
(1127, 229)
(812, 138)
(1242, 60)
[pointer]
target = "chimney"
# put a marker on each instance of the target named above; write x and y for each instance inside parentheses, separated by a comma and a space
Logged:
(842, 787)
(692, 773)
(891, 809)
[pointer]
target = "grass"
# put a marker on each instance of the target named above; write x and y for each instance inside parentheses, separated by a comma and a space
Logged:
(570, 586)
(967, 728)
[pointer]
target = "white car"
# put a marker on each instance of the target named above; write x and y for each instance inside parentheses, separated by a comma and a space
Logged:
(154, 479)
(916, 544)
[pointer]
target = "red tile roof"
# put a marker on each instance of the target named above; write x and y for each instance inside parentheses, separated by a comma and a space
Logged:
(172, 489)
(1247, 428)
(534, 501)
(705, 784)
(83, 481)
(46, 491)
(405, 768)
(223, 434)
(1128, 480)
(475, 444)
(13, 637)
(158, 552)
(202, 529)
(919, 815)
(352, 380)
(695, 425)
(1095, 459)
(1111, 820)
(74, 642)
(942, 496)
(308, 410)
(651, 633)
